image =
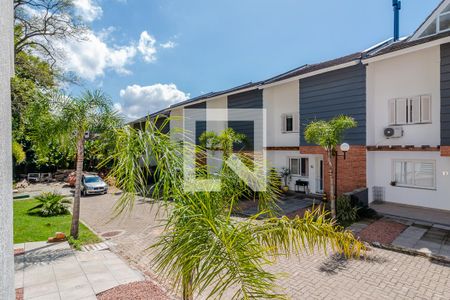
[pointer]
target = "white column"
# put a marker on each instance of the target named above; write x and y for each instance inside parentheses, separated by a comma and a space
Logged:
(7, 290)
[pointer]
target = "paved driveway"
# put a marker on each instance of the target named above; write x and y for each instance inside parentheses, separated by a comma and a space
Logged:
(382, 275)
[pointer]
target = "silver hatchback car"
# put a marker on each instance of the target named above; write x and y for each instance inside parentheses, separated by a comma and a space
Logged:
(93, 185)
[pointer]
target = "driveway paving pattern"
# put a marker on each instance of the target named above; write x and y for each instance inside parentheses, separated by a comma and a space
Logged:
(381, 275)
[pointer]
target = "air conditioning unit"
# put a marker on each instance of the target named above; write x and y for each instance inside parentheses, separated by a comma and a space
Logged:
(393, 132)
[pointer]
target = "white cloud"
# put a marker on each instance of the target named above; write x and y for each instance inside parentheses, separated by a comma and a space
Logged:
(147, 47)
(138, 101)
(168, 45)
(88, 10)
(91, 56)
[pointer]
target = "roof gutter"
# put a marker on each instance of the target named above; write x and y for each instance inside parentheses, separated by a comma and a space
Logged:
(310, 74)
(407, 50)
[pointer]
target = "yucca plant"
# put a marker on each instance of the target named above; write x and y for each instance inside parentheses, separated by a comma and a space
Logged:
(51, 204)
(204, 249)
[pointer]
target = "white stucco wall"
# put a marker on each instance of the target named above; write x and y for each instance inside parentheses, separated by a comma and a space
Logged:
(176, 123)
(278, 100)
(279, 159)
(379, 173)
(408, 75)
(216, 111)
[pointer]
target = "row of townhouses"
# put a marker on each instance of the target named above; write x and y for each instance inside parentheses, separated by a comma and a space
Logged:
(398, 91)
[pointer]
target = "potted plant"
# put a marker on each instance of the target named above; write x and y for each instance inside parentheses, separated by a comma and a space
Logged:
(286, 175)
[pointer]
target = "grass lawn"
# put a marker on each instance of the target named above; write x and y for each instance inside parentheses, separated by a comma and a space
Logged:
(32, 228)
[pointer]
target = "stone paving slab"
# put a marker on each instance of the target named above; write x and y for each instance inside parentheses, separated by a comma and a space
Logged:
(55, 271)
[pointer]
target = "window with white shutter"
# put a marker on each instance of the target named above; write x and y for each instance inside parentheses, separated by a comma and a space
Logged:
(283, 123)
(425, 111)
(413, 110)
(392, 118)
(289, 122)
(412, 173)
(401, 111)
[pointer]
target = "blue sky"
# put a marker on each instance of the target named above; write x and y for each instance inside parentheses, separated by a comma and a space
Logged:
(149, 54)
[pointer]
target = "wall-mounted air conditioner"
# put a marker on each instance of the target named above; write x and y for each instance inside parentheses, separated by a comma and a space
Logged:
(393, 132)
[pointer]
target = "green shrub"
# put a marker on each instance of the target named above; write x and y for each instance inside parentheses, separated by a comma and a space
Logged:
(76, 244)
(346, 212)
(50, 204)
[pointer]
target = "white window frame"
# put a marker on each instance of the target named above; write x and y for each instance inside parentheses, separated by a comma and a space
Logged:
(411, 115)
(413, 162)
(295, 123)
(437, 25)
(300, 164)
(438, 22)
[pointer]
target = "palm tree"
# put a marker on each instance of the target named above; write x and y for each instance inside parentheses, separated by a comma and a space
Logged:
(68, 122)
(204, 248)
(223, 141)
(329, 134)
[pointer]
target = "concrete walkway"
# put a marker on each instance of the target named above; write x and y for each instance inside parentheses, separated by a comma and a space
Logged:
(414, 213)
(55, 271)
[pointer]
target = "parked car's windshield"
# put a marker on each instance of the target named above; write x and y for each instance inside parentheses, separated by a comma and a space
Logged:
(92, 179)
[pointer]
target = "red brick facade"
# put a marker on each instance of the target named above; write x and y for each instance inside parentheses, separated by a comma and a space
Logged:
(351, 171)
(445, 150)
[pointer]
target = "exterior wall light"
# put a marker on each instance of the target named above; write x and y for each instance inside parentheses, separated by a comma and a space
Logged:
(345, 148)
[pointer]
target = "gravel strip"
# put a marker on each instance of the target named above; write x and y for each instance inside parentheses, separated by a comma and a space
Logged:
(142, 290)
(382, 231)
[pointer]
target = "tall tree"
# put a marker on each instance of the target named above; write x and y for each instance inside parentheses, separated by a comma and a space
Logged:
(66, 121)
(329, 134)
(42, 23)
(204, 249)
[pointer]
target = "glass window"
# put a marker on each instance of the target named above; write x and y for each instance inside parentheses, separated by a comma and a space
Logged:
(414, 110)
(294, 166)
(444, 22)
(419, 174)
(304, 168)
(299, 166)
(431, 29)
(289, 123)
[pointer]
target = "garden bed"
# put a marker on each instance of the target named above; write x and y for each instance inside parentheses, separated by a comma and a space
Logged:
(33, 228)
(382, 231)
(142, 290)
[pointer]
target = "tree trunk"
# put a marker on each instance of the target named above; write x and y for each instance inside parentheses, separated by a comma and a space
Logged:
(188, 293)
(76, 199)
(332, 187)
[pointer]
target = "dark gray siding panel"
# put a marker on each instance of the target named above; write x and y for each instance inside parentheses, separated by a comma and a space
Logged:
(244, 127)
(340, 92)
(250, 99)
(445, 94)
(200, 126)
(163, 125)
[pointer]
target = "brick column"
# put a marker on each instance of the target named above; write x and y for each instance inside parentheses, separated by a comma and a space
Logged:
(445, 151)
(351, 172)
